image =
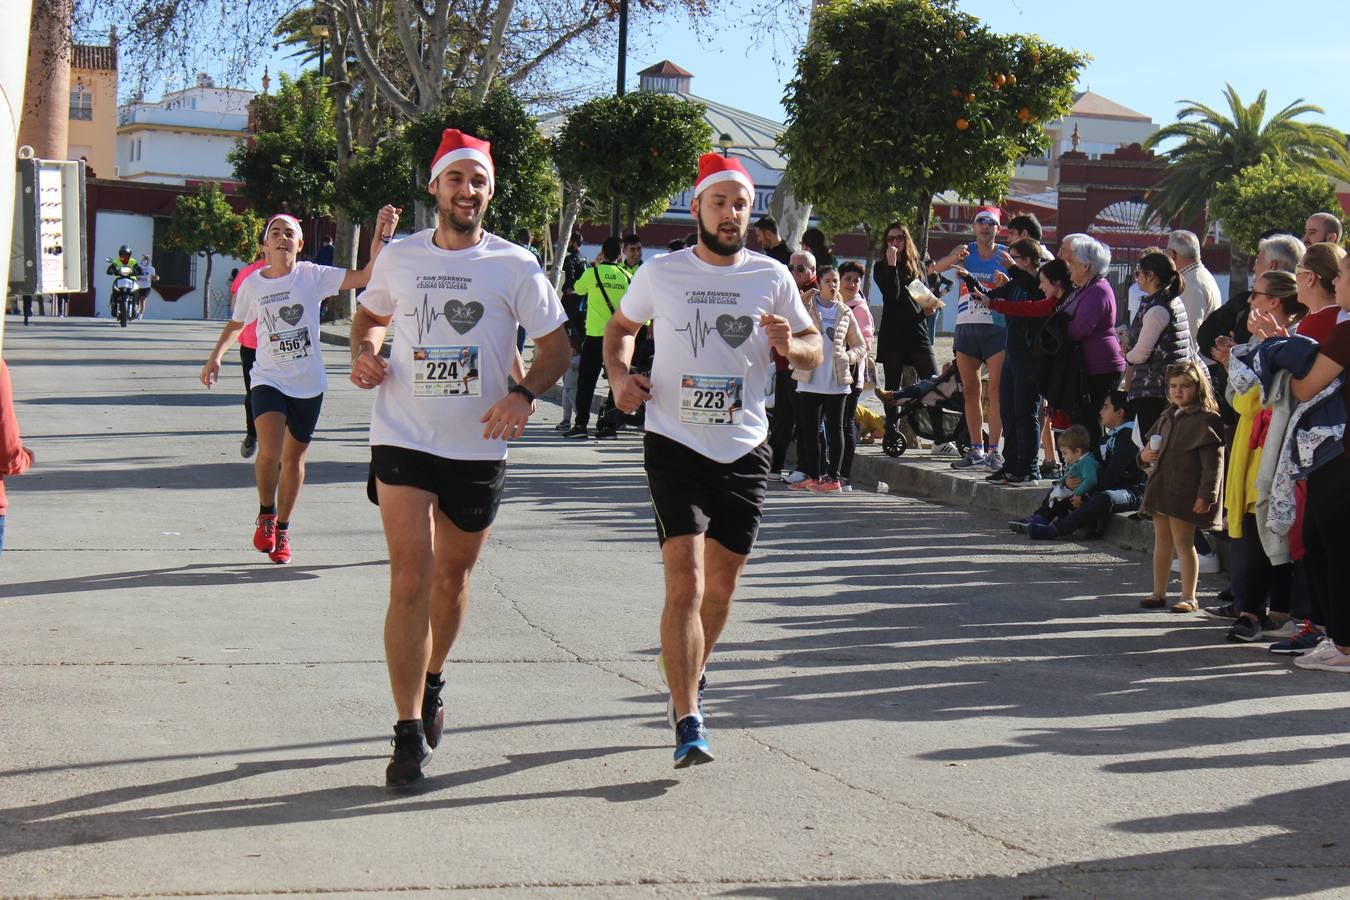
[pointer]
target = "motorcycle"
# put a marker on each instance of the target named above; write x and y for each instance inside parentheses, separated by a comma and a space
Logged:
(124, 293)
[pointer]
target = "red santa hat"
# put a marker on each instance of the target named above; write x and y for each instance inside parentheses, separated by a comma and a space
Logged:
(714, 168)
(991, 212)
(456, 145)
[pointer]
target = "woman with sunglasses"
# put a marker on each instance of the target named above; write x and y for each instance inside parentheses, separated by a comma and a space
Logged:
(903, 338)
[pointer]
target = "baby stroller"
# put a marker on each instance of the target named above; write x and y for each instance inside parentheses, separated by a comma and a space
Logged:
(934, 408)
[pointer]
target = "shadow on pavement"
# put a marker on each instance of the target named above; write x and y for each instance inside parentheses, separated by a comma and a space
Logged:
(75, 821)
(186, 576)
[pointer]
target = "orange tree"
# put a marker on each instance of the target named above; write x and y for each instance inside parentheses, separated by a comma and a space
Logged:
(896, 100)
(206, 224)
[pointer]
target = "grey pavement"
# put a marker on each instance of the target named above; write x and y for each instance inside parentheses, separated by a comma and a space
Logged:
(908, 701)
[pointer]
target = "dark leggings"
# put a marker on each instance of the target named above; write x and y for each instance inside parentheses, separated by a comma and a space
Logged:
(1098, 386)
(247, 356)
(893, 364)
(1261, 581)
(1020, 408)
(850, 423)
(588, 373)
(811, 409)
(782, 418)
(1325, 524)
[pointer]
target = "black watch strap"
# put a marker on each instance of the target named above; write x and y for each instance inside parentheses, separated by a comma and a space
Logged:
(523, 391)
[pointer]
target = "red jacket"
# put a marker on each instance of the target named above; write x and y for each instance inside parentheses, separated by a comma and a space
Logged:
(14, 459)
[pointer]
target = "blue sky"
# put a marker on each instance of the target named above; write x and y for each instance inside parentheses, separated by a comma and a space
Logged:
(1147, 54)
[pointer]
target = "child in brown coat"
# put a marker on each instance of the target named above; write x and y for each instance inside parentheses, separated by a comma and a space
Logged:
(1184, 450)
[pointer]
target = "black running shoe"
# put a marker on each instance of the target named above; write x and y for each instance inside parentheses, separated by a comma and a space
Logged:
(433, 714)
(1229, 610)
(411, 753)
(1245, 630)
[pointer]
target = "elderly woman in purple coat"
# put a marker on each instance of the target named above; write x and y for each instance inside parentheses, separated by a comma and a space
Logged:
(1092, 308)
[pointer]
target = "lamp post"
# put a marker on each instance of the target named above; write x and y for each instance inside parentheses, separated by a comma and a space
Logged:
(623, 62)
(319, 29)
(725, 142)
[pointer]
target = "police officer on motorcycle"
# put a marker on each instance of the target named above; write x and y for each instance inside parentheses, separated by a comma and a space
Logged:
(125, 260)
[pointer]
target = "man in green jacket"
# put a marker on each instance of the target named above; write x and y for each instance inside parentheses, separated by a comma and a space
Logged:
(603, 285)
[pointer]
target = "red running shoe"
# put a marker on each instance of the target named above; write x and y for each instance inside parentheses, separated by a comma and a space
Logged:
(282, 553)
(265, 536)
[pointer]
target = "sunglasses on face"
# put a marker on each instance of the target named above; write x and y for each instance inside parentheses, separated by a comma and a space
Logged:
(985, 222)
(895, 238)
(799, 268)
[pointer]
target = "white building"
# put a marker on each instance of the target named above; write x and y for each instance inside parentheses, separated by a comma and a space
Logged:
(1098, 125)
(186, 136)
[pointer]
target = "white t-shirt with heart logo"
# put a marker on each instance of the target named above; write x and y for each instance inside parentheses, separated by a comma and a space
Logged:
(455, 315)
(287, 312)
(712, 369)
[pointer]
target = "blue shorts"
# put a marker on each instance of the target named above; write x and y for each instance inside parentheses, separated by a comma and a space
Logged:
(302, 413)
(980, 340)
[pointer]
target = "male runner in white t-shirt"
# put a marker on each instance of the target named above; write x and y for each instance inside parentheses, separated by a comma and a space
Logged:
(715, 309)
(443, 414)
(288, 377)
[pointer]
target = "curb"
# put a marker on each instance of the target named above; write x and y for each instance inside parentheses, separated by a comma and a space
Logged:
(932, 478)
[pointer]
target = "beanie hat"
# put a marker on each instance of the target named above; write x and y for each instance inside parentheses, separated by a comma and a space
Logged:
(456, 145)
(714, 168)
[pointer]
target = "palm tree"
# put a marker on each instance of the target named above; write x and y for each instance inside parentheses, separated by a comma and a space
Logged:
(1215, 148)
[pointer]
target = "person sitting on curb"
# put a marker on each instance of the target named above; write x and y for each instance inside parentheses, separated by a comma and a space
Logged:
(1120, 484)
(1075, 446)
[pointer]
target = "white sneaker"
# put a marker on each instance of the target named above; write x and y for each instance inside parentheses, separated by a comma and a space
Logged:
(1326, 657)
(946, 449)
(1209, 564)
(796, 477)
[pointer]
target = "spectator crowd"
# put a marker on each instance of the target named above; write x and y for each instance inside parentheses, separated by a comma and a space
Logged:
(1215, 420)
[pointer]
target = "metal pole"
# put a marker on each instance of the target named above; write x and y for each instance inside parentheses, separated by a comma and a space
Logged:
(623, 61)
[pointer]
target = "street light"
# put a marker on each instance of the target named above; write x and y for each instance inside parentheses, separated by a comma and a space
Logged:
(319, 28)
(725, 141)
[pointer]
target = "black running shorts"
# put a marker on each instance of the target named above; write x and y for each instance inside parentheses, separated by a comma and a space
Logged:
(692, 494)
(302, 413)
(468, 491)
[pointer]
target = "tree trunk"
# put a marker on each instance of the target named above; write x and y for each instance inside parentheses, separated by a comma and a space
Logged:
(424, 213)
(1238, 266)
(631, 220)
(572, 196)
(492, 55)
(792, 215)
(206, 289)
(345, 244)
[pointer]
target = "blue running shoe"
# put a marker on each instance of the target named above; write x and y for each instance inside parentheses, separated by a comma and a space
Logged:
(1308, 637)
(670, 701)
(691, 743)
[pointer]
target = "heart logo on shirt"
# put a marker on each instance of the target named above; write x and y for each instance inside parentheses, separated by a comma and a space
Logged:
(735, 330)
(292, 314)
(463, 316)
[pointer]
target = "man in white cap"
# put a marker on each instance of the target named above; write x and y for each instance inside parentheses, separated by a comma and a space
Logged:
(443, 415)
(715, 309)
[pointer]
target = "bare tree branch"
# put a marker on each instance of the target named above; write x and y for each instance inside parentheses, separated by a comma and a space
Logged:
(492, 58)
(357, 31)
(558, 43)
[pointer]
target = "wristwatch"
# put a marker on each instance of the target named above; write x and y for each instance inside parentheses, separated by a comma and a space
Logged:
(522, 390)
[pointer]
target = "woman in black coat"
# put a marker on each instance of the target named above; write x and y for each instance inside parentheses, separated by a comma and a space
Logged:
(902, 339)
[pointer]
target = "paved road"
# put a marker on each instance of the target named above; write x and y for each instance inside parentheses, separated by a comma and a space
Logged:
(907, 703)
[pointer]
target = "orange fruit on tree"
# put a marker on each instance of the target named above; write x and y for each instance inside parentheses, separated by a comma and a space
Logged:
(962, 124)
(1012, 79)
(1000, 80)
(970, 98)
(960, 35)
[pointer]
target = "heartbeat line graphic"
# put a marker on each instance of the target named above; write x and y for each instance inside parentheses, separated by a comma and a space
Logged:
(272, 319)
(426, 316)
(698, 333)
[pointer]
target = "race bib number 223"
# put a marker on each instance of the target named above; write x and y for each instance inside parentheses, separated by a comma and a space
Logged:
(711, 399)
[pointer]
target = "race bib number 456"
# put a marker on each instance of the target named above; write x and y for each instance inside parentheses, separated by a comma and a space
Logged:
(288, 346)
(446, 371)
(711, 399)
